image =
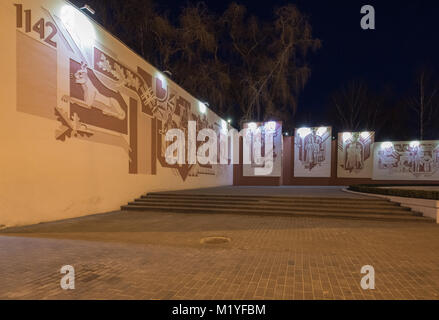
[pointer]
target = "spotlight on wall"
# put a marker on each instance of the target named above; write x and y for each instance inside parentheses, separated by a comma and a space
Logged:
(252, 126)
(169, 73)
(303, 132)
(386, 145)
(346, 136)
(224, 126)
(414, 144)
(365, 135)
(229, 121)
(270, 126)
(78, 25)
(321, 131)
(202, 107)
(162, 78)
(88, 8)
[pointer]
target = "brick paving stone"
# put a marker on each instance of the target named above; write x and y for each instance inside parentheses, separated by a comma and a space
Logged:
(138, 255)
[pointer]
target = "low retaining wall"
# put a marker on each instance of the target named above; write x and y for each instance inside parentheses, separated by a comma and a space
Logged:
(429, 208)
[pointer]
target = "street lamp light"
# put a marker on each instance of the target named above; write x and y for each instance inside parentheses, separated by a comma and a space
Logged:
(88, 8)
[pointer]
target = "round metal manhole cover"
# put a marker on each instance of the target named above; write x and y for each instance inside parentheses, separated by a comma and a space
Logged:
(215, 240)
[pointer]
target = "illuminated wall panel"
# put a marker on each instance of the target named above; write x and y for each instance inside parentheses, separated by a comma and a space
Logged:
(355, 154)
(256, 145)
(312, 152)
(83, 118)
(406, 160)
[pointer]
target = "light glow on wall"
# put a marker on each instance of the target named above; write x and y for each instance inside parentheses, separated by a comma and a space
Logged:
(346, 136)
(78, 25)
(202, 107)
(252, 126)
(162, 78)
(270, 126)
(321, 131)
(224, 126)
(365, 134)
(414, 144)
(303, 132)
(386, 145)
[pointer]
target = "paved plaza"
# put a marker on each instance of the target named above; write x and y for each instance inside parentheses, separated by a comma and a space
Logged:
(139, 255)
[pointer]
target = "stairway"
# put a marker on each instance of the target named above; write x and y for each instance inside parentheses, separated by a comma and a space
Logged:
(350, 208)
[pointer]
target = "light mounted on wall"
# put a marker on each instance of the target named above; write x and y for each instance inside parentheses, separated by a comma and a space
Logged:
(169, 73)
(88, 8)
(78, 25)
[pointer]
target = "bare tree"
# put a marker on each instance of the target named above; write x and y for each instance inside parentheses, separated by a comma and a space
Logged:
(424, 101)
(239, 64)
(354, 107)
(271, 57)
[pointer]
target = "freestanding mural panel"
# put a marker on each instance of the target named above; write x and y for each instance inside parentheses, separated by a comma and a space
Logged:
(312, 152)
(84, 118)
(355, 154)
(406, 160)
(257, 150)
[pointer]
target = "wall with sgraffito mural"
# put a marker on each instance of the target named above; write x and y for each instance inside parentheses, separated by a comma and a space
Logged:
(355, 154)
(312, 152)
(406, 160)
(83, 118)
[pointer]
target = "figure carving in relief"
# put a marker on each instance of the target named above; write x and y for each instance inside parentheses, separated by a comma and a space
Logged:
(93, 98)
(313, 156)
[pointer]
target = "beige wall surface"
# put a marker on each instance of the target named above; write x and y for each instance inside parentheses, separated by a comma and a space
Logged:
(82, 118)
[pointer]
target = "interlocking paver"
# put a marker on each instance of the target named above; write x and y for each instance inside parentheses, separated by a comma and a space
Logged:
(136, 255)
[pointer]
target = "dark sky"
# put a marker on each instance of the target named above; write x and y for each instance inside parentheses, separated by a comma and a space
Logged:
(405, 39)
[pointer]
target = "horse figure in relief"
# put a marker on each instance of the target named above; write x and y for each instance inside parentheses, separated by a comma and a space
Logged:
(93, 98)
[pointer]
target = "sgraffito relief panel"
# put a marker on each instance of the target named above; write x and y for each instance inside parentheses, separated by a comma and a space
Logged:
(312, 152)
(406, 160)
(355, 154)
(99, 95)
(96, 112)
(256, 134)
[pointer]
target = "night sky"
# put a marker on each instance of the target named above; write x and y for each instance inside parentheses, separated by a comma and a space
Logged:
(405, 39)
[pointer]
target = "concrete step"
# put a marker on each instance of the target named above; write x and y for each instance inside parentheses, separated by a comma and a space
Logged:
(353, 208)
(279, 206)
(267, 198)
(275, 212)
(256, 201)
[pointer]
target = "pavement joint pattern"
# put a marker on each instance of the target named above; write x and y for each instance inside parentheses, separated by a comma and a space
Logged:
(137, 255)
